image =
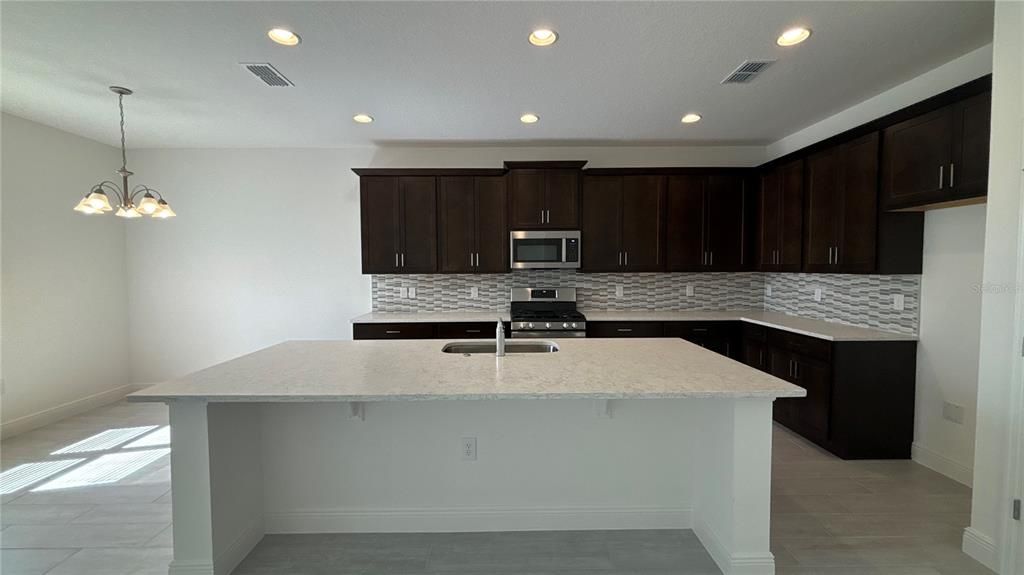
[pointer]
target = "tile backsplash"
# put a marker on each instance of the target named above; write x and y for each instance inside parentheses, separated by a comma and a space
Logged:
(861, 300)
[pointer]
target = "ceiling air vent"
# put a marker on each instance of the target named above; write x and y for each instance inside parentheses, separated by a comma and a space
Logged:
(268, 74)
(747, 71)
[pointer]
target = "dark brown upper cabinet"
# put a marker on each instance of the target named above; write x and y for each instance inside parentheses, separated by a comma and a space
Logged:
(939, 158)
(472, 231)
(399, 224)
(706, 223)
(544, 195)
(623, 223)
(780, 218)
(841, 210)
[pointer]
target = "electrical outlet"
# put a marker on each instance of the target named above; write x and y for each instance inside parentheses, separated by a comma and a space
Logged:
(689, 290)
(403, 292)
(618, 291)
(817, 294)
(412, 293)
(474, 292)
(898, 302)
(768, 290)
(468, 449)
(952, 412)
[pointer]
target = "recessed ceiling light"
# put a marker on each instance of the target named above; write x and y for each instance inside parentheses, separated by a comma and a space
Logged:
(284, 36)
(362, 118)
(529, 118)
(690, 118)
(543, 37)
(793, 36)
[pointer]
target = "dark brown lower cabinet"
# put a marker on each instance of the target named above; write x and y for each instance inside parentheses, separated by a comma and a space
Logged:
(860, 395)
(427, 330)
(625, 329)
(719, 336)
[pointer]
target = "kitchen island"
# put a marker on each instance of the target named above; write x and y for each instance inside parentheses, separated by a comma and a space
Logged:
(329, 436)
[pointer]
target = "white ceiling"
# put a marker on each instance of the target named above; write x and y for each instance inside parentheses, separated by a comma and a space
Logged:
(463, 72)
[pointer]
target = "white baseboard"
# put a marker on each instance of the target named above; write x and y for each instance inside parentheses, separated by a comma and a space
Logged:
(733, 563)
(461, 519)
(937, 462)
(190, 568)
(65, 410)
(981, 548)
(229, 558)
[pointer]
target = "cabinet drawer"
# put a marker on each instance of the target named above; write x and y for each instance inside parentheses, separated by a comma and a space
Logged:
(393, 331)
(811, 347)
(697, 329)
(467, 330)
(624, 329)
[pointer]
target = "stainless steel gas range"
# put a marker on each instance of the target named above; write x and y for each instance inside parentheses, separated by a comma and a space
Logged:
(546, 312)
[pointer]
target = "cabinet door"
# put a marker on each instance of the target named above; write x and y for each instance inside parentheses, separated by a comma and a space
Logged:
(562, 199)
(491, 230)
(812, 412)
(724, 197)
(643, 210)
(602, 223)
(917, 154)
(791, 216)
(419, 224)
(780, 364)
(457, 218)
(685, 244)
(769, 220)
(858, 182)
(968, 176)
(379, 220)
(822, 204)
(755, 354)
(526, 199)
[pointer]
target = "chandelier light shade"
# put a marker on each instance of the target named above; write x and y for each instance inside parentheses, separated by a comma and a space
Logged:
(97, 201)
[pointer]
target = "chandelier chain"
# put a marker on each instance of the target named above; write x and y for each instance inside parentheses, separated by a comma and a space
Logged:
(124, 155)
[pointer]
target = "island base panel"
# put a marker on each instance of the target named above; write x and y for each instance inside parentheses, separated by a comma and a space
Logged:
(241, 470)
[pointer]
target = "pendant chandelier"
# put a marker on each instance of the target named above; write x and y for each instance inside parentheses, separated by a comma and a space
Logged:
(97, 201)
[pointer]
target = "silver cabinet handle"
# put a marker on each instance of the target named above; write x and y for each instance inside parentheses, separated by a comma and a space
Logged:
(620, 258)
(478, 259)
(796, 369)
(548, 212)
(403, 259)
(941, 179)
(392, 331)
(472, 331)
(396, 259)
(542, 216)
(711, 258)
(470, 259)
(627, 258)
(952, 167)
(624, 329)
(837, 255)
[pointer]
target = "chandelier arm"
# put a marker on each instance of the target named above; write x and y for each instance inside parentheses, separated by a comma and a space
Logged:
(108, 186)
(141, 188)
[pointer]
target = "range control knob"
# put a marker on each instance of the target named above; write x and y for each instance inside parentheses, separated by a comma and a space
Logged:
(574, 325)
(547, 325)
(565, 326)
(530, 325)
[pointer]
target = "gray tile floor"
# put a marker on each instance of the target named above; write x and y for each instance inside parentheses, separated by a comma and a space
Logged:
(829, 517)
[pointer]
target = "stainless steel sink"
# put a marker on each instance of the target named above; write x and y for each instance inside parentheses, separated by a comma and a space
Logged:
(468, 347)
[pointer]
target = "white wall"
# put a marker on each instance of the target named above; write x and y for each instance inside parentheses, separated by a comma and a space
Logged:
(999, 373)
(64, 279)
(266, 243)
(950, 75)
(947, 352)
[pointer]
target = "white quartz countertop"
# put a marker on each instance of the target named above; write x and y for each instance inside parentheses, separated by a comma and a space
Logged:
(811, 327)
(406, 370)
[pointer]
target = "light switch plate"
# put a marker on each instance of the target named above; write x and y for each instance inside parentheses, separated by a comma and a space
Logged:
(817, 294)
(952, 412)
(403, 292)
(768, 290)
(689, 290)
(412, 293)
(618, 291)
(898, 302)
(474, 292)
(468, 449)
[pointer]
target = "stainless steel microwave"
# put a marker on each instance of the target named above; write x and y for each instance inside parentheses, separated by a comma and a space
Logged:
(545, 249)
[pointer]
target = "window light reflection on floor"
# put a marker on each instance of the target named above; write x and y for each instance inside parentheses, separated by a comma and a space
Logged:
(159, 437)
(105, 440)
(105, 469)
(24, 475)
